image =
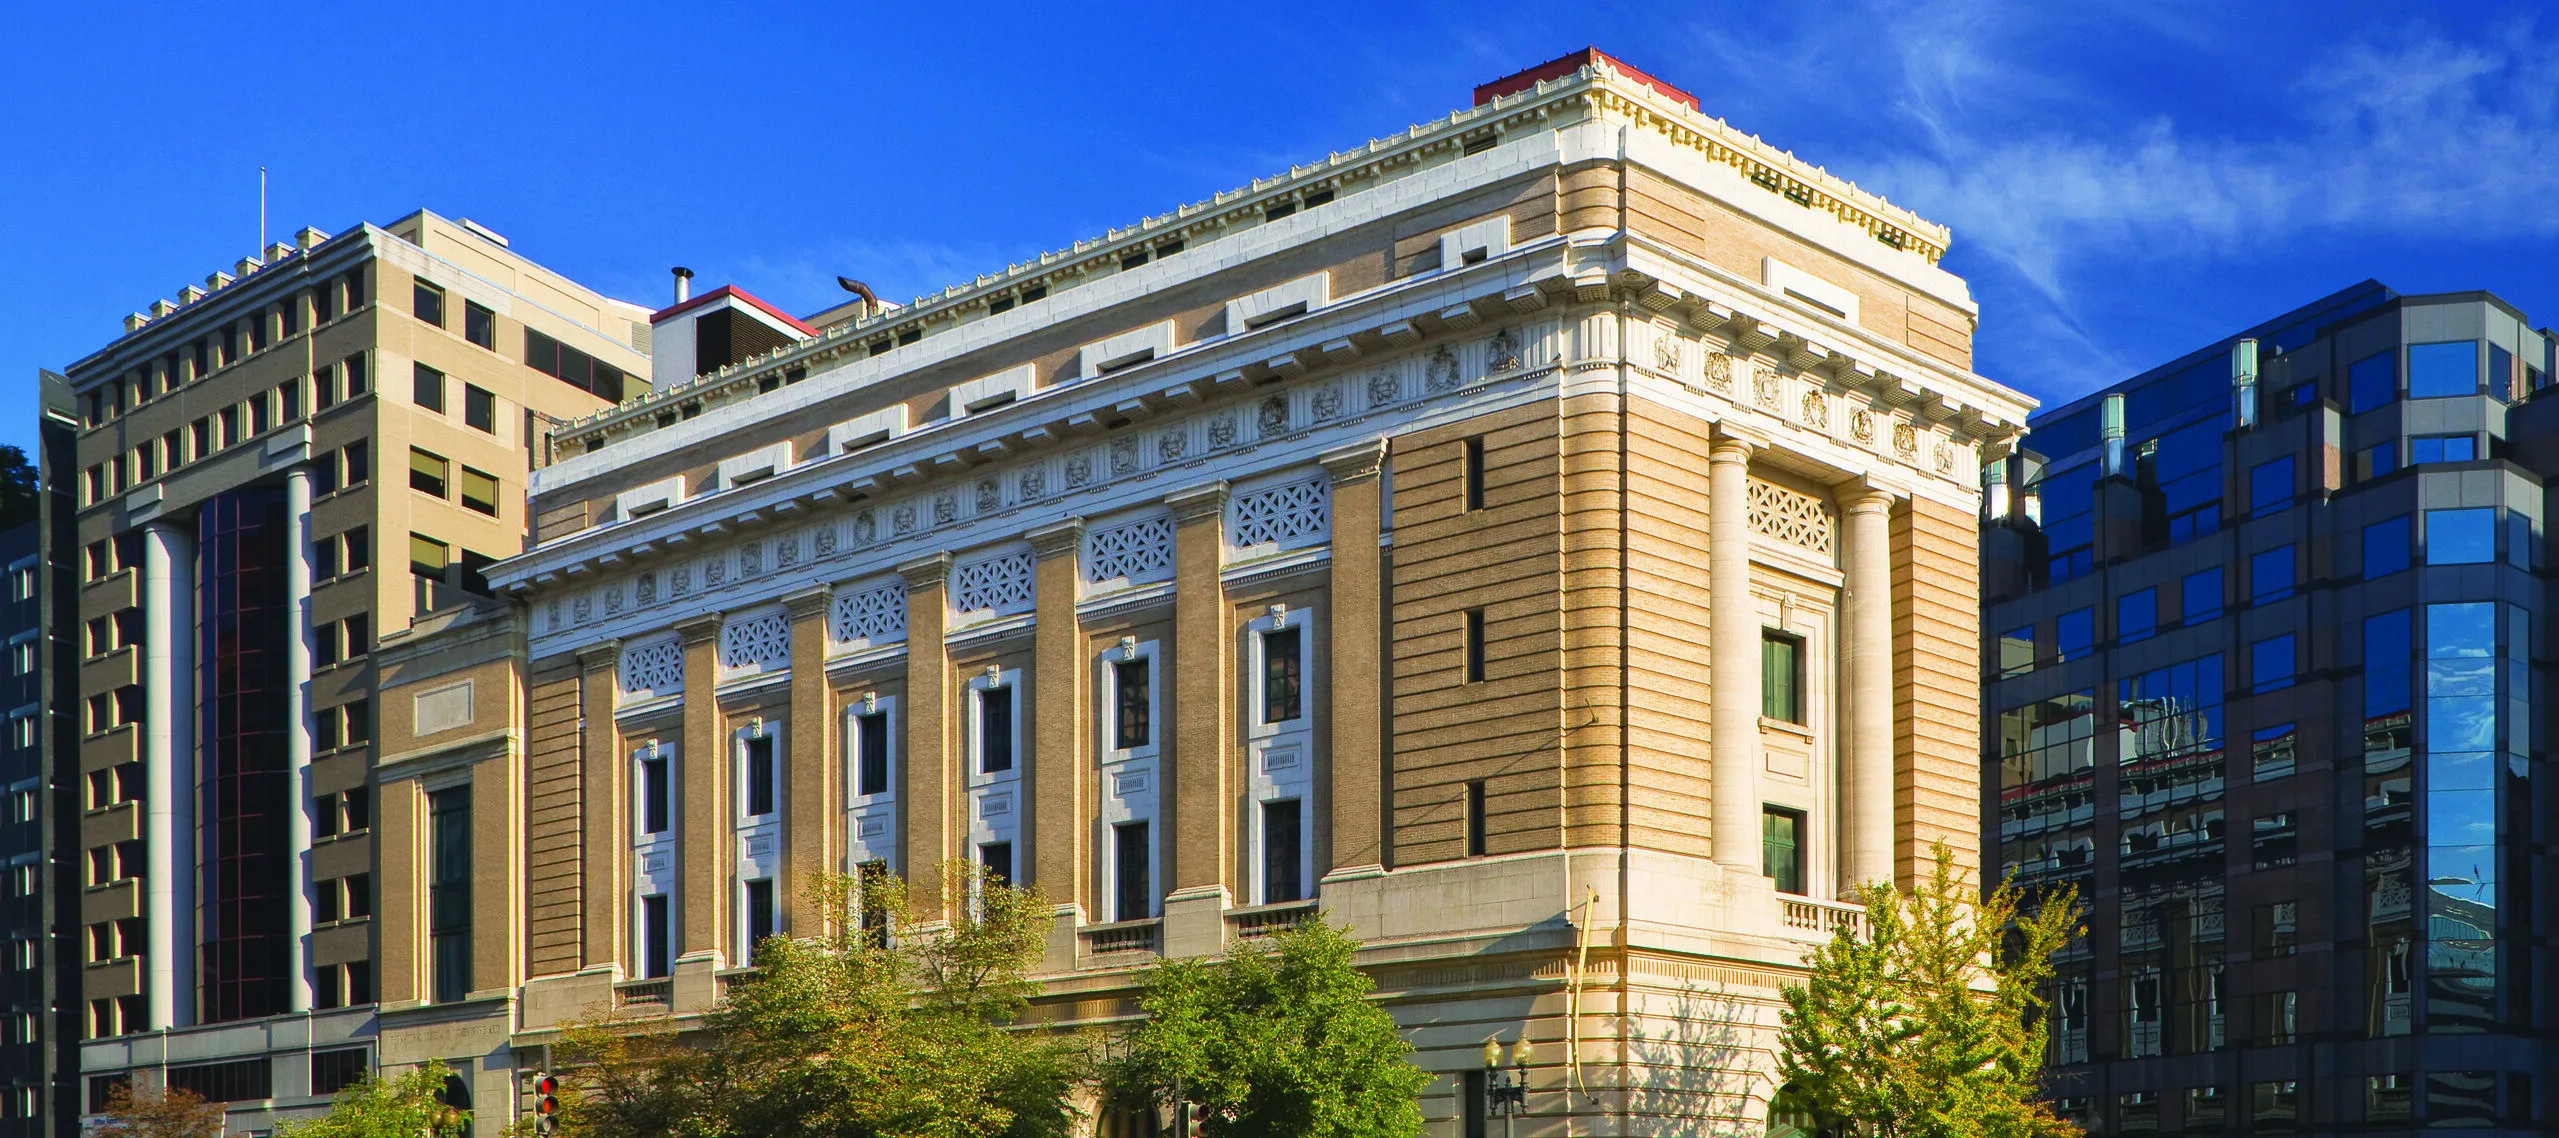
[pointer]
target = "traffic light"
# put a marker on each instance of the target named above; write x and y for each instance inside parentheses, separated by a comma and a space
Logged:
(546, 1102)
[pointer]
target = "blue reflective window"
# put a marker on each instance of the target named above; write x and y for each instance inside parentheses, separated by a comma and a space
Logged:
(2461, 537)
(2386, 663)
(2372, 381)
(2385, 547)
(2075, 633)
(2136, 616)
(2376, 460)
(2501, 374)
(2436, 371)
(2443, 448)
(2270, 485)
(2200, 595)
(2270, 663)
(2270, 575)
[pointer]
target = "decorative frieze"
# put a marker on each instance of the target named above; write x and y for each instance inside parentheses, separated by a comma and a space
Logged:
(1790, 516)
(995, 585)
(755, 644)
(868, 618)
(1286, 516)
(652, 669)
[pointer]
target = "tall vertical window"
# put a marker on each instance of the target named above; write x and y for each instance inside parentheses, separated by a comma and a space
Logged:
(995, 732)
(2075, 633)
(1283, 850)
(997, 859)
(871, 753)
(479, 408)
(2136, 615)
(1473, 459)
(1283, 668)
(1132, 859)
(1781, 848)
(2385, 547)
(2463, 859)
(1475, 819)
(2199, 595)
(479, 325)
(2270, 663)
(1474, 633)
(760, 759)
(426, 388)
(1132, 704)
(657, 937)
(428, 473)
(427, 301)
(2270, 486)
(1781, 676)
(2371, 382)
(759, 913)
(2017, 651)
(2270, 575)
(449, 892)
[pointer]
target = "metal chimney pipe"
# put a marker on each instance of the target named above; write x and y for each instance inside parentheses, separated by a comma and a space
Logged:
(2110, 427)
(2243, 383)
(683, 284)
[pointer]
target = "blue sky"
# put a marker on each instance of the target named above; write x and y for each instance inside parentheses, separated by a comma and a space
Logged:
(2124, 181)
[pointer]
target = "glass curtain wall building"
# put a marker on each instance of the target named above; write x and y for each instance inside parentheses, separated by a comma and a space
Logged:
(2261, 676)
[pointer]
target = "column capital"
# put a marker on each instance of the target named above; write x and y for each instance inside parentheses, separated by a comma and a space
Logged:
(1056, 538)
(802, 604)
(928, 571)
(1865, 498)
(1355, 461)
(1206, 500)
(601, 656)
(1732, 445)
(699, 629)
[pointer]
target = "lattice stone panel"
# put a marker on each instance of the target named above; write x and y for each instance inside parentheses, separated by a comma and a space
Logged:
(1789, 516)
(756, 643)
(1290, 514)
(653, 669)
(870, 616)
(996, 584)
(1138, 551)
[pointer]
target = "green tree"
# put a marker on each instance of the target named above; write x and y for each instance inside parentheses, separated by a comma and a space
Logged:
(153, 1112)
(851, 1033)
(407, 1105)
(1928, 1022)
(1273, 1041)
(19, 490)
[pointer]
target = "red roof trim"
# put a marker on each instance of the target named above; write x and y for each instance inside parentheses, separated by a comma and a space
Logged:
(1557, 68)
(734, 293)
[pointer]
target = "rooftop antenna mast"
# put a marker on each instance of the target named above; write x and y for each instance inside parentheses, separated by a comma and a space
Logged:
(262, 208)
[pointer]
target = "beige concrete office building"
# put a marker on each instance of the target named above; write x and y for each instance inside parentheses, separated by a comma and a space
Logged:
(1570, 497)
(277, 468)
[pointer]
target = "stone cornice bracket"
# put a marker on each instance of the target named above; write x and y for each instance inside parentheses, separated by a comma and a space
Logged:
(1354, 462)
(699, 629)
(601, 656)
(1739, 443)
(1198, 502)
(930, 571)
(1056, 538)
(804, 603)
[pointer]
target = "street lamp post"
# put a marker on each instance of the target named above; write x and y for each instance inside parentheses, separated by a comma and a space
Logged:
(1506, 1092)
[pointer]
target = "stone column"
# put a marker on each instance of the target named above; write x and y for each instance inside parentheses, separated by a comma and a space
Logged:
(813, 803)
(926, 797)
(703, 814)
(1868, 794)
(1200, 818)
(297, 736)
(168, 771)
(1057, 816)
(1355, 685)
(604, 845)
(1734, 632)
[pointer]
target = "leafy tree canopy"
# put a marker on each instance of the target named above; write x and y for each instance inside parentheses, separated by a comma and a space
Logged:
(159, 1113)
(853, 1033)
(1272, 1041)
(406, 1105)
(1928, 1022)
(18, 488)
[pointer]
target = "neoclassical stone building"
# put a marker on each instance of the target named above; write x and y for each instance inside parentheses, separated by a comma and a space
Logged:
(1544, 535)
